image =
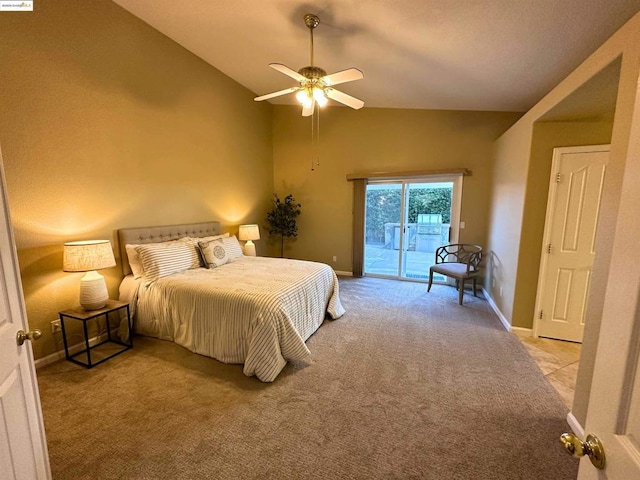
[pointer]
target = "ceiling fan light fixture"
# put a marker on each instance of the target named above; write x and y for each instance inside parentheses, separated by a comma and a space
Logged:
(319, 96)
(305, 98)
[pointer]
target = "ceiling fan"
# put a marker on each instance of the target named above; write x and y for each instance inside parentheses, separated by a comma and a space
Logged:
(315, 86)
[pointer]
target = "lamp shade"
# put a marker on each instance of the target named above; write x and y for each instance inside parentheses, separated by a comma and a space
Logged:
(87, 255)
(249, 232)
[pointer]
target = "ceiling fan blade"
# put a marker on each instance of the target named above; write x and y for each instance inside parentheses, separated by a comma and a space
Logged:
(348, 75)
(341, 97)
(276, 94)
(287, 71)
(308, 111)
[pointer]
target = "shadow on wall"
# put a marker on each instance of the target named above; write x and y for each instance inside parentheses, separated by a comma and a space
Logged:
(495, 273)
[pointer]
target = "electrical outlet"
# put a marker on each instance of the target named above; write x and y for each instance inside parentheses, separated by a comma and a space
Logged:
(55, 326)
(461, 224)
(335, 258)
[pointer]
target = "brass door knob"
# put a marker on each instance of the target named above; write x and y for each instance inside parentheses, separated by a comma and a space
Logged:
(32, 335)
(592, 447)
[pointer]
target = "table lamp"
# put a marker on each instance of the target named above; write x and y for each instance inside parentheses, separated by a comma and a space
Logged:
(89, 256)
(249, 233)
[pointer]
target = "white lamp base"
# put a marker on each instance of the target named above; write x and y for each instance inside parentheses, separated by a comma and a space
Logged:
(93, 291)
(250, 248)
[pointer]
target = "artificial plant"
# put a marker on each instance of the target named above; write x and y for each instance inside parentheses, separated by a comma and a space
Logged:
(281, 219)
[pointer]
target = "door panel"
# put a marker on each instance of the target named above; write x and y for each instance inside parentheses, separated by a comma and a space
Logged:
(13, 417)
(383, 213)
(572, 214)
(23, 449)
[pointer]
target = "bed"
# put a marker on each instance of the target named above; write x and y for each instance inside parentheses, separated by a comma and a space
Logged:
(255, 311)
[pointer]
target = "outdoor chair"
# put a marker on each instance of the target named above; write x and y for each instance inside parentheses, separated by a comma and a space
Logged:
(460, 261)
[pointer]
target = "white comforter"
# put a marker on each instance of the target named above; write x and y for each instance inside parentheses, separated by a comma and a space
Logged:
(255, 310)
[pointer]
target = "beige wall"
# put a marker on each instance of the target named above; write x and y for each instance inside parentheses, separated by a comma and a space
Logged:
(106, 123)
(546, 137)
(375, 139)
(511, 180)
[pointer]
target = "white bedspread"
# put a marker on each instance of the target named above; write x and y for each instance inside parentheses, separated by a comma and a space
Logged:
(255, 310)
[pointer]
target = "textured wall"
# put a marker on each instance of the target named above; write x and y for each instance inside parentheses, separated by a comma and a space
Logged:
(374, 140)
(106, 123)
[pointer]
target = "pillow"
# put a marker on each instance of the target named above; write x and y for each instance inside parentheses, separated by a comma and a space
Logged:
(214, 253)
(207, 239)
(160, 260)
(134, 258)
(233, 248)
(212, 237)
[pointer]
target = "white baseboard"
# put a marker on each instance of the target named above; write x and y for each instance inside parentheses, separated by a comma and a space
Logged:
(59, 355)
(343, 274)
(523, 332)
(492, 304)
(575, 425)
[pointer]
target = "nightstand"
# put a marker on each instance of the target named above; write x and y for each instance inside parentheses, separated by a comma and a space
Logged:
(104, 350)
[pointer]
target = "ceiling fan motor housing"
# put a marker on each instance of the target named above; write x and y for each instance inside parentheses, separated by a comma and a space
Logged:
(312, 72)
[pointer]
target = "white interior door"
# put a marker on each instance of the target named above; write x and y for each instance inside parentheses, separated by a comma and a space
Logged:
(569, 240)
(23, 449)
(614, 403)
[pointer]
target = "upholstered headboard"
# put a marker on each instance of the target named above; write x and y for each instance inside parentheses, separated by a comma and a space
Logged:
(127, 236)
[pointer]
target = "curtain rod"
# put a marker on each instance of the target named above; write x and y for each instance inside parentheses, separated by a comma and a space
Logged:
(416, 173)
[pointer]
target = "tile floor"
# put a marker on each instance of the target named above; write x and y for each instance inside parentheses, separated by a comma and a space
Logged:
(558, 360)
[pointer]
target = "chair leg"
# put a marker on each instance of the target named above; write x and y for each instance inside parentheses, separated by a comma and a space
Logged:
(430, 280)
(460, 292)
(474, 287)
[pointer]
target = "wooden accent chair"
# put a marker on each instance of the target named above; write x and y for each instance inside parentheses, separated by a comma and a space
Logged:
(460, 261)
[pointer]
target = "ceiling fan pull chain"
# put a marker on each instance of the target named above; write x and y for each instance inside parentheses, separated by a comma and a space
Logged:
(313, 147)
(315, 139)
(318, 139)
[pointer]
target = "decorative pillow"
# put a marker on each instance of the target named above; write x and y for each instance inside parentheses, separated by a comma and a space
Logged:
(134, 258)
(196, 240)
(160, 260)
(214, 253)
(234, 250)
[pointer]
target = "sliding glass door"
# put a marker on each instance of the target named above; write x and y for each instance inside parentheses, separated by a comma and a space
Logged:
(405, 221)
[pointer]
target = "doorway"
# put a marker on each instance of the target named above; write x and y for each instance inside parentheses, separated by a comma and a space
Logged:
(568, 253)
(405, 221)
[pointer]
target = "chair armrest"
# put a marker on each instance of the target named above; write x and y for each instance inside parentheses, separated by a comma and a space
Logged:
(473, 261)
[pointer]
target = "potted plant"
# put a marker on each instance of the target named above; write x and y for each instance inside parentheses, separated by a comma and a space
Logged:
(282, 219)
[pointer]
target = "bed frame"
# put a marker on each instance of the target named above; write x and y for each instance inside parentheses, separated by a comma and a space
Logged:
(165, 233)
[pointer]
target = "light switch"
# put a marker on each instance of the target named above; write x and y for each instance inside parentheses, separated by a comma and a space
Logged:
(461, 224)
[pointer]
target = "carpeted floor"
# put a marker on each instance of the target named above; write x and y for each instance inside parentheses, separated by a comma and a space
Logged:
(406, 385)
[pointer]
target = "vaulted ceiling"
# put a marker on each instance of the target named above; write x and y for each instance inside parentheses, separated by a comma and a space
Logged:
(501, 55)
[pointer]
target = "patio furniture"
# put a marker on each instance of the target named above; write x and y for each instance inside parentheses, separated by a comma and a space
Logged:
(460, 261)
